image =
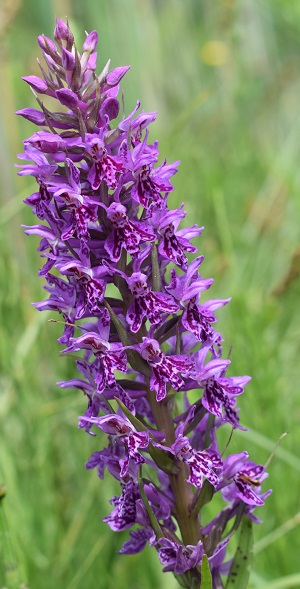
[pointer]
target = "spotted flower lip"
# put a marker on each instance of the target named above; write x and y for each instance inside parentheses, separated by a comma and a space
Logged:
(164, 368)
(92, 282)
(125, 234)
(105, 167)
(202, 465)
(123, 516)
(136, 314)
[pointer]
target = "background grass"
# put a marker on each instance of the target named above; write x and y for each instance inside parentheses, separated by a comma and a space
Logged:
(224, 76)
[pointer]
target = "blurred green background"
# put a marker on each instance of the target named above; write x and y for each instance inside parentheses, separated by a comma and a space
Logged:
(224, 76)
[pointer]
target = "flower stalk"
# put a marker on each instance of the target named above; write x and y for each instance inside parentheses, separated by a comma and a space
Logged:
(102, 204)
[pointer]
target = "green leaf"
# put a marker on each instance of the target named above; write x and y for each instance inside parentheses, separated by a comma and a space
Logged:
(241, 566)
(206, 579)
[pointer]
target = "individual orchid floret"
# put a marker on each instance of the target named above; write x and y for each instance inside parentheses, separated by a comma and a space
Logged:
(177, 557)
(246, 481)
(137, 124)
(219, 397)
(105, 167)
(50, 240)
(201, 464)
(138, 540)
(109, 458)
(96, 402)
(180, 559)
(190, 284)
(174, 242)
(125, 432)
(108, 358)
(146, 303)
(63, 300)
(83, 209)
(54, 145)
(165, 369)
(187, 289)
(92, 282)
(125, 233)
(150, 182)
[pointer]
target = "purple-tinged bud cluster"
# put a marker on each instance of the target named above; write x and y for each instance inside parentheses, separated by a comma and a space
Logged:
(117, 271)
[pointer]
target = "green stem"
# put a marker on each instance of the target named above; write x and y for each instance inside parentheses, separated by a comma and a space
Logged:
(183, 494)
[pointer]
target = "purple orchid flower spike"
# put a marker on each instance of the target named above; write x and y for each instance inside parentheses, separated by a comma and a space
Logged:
(149, 360)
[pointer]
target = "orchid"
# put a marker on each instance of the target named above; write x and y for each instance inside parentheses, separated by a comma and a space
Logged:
(117, 270)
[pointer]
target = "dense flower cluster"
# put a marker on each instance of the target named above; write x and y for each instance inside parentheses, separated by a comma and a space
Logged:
(117, 271)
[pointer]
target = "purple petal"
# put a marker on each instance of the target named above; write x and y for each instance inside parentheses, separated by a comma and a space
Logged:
(116, 75)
